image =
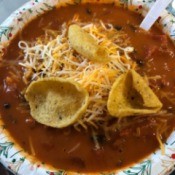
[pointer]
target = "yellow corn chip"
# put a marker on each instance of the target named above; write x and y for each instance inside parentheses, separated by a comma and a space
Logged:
(86, 45)
(130, 95)
(56, 102)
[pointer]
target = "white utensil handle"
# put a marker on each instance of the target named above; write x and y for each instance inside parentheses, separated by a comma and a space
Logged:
(154, 13)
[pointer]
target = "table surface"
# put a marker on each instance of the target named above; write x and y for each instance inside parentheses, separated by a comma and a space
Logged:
(6, 8)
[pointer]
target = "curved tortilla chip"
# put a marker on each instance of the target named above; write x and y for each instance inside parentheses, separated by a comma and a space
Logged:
(86, 45)
(130, 95)
(56, 102)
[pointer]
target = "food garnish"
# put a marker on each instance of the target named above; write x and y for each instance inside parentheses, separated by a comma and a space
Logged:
(86, 45)
(56, 102)
(54, 57)
(130, 95)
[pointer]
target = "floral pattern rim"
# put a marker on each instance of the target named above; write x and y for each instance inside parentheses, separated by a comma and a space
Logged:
(10, 153)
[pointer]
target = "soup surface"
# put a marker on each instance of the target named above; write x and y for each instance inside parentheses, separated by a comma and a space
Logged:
(69, 148)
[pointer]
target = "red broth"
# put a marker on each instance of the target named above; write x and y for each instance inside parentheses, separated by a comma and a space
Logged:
(67, 148)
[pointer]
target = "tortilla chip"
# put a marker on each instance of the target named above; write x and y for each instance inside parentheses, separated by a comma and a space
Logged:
(86, 45)
(130, 95)
(56, 102)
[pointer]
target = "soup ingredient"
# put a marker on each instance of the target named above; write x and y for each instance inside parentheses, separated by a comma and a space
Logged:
(86, 45)
(51, 55)
(130, 95)
(56, 102)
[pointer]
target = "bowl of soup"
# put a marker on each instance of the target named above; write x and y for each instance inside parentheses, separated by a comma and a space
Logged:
(85, 90)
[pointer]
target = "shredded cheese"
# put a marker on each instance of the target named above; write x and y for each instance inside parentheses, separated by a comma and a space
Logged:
(31, 147)
(162, 146)
(51, 55)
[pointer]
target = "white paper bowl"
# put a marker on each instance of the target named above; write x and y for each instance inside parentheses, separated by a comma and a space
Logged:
(12, 156)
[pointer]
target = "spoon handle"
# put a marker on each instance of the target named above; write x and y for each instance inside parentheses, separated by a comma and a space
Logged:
(154, 13)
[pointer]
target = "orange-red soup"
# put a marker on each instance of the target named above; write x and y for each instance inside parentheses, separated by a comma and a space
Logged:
(154, 54)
